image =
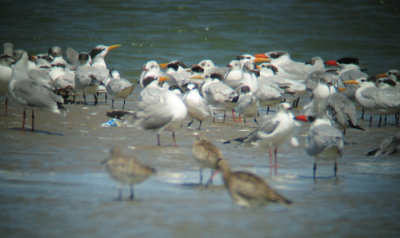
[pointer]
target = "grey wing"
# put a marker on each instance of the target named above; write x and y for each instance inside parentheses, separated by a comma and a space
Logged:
(35, 95)
(322, 137)
(267, 126)
(72, 56)
(153, 116)
(243, 102)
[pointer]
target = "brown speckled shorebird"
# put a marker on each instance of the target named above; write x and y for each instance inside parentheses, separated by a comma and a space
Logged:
(205, 154)
(247, 189)
(126, 170)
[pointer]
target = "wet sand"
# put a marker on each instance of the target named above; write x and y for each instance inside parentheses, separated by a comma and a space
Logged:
(52, 183)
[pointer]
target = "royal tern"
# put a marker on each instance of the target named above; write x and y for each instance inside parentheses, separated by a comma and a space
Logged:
(57, 55)
(211, 69)
(380, 101)
(197, 106)
(28, 90)
(152, 70)
(272, 131)
(126, 170)
(323, 141)
(340, 110)
(247, 189)
(348, 68)
(118, 87)
(205, 154)
(292, 69)
(389, 146)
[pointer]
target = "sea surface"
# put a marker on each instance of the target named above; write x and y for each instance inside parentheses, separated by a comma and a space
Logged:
(52, 183)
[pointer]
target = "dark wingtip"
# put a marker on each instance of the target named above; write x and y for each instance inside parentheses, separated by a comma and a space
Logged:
(372, 152)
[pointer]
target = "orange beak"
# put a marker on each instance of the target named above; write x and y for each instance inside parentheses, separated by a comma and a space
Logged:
(301, 118)
(342, 89)
(163, 65)
(331, 63)
(111, 47)
(197, 77)
(382, 75)
(261, 56)
(261, 60)
(350, 82)
(162, 78)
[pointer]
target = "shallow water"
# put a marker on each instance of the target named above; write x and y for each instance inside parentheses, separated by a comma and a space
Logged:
(53, 185)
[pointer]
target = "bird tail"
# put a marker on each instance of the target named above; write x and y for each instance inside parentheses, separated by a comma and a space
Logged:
(355, 126)
(372, 152)
(241, 140)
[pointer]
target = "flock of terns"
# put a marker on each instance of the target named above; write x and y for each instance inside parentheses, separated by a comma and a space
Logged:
(172, 92)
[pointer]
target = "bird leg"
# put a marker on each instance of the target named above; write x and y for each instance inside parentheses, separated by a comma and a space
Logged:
(95, 99)
(158, 139)
(84, 99)
(105, 98)
(6, 106)
(201, 121)
(33, 121)
(174, 139)
(190, 123)
(201, 176)
(123, 105)
(233, 116)
(119, 193)
(270, 158)
(210, 180)
(112, 103)
(380, 120)
(132, 195)
(314, 169)
(23, 121)
(370, 121)
(335, 168)
(276, 157)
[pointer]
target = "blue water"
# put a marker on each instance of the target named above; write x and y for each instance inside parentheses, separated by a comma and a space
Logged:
(52, 183)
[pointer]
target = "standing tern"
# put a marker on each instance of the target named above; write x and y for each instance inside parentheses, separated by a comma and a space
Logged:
(159, 109)
(118, 87)
(272, 131)
(5, 77)
(87, 77)
(197, 106)
(28, 91)
(323, 141)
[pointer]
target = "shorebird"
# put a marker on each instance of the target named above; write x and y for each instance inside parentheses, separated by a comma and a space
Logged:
(126, 170)
(389, 146)
(247, 189)
(324, 141)
(5, 77)
(205, 154)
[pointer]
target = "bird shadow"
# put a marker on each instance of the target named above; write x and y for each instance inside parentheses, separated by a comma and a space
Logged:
(38, 132)
(201, 186)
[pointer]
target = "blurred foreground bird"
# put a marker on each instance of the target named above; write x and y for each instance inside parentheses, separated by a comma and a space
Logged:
(205, 154)
(389, 146)
(126, 170)
(247, 189)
